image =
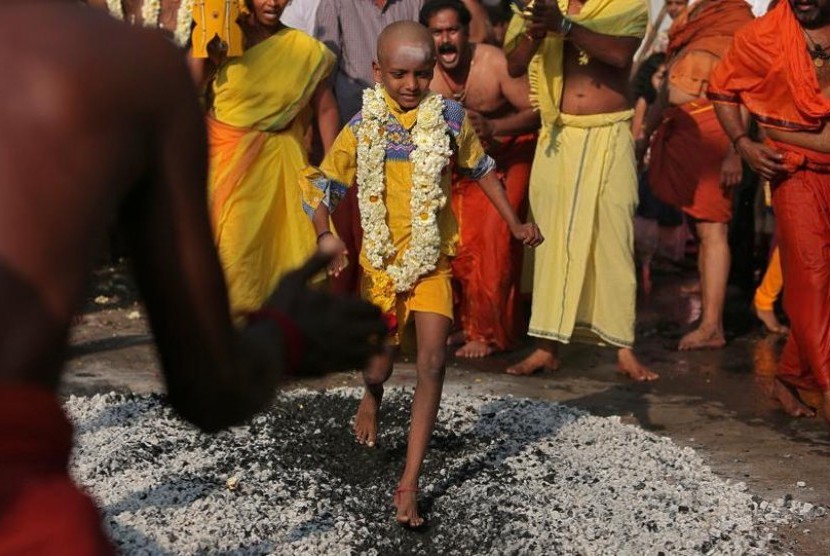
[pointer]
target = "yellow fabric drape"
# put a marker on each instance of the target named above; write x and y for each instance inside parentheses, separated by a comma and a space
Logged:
(583, 192)
(256, 131)
(621, 18)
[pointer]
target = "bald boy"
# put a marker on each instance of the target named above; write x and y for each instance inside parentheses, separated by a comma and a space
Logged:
(406, 252)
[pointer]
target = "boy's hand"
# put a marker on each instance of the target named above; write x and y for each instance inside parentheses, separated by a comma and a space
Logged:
(330, 244)
(529, 234)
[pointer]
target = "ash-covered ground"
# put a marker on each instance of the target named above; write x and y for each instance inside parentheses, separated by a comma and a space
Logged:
(503, 476)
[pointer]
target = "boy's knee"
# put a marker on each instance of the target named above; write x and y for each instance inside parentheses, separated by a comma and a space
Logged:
(432, 363)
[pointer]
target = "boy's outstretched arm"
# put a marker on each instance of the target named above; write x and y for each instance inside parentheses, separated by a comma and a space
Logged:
(528, 233)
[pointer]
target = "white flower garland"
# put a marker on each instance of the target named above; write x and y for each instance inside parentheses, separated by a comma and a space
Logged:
(150, 11)
(432, 153)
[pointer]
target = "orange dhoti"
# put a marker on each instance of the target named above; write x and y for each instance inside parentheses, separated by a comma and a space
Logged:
(488, 263)
(802, 210)
(41, 510)
(685, 165)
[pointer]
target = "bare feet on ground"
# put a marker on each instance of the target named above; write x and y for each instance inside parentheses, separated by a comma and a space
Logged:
(702, 338)
(790, 401)
(474, 349)
(539, 360)
(771, 322)
(630, 366)
(406, 507)
(456, 338)
(366, 419)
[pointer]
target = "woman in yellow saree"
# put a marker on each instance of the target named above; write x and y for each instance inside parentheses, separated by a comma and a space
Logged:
(262, 105)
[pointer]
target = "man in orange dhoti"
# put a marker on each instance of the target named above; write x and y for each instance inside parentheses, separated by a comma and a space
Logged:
(487, 264)
(779, 71)
(692, 165)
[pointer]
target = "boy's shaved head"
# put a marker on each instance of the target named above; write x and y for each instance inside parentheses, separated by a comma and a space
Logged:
(405, 38)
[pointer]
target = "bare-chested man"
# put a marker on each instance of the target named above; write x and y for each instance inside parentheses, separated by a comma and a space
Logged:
(487, 264)
(779, 70)
(583, 188)
(84, 136)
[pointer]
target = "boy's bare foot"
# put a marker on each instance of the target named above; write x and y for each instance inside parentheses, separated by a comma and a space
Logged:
(790, 401)
(630, 366)
(771, 322)
(702, 339)
(475, 349)
(456, 338)
(539, 360)
(366, 419)
(406, 507)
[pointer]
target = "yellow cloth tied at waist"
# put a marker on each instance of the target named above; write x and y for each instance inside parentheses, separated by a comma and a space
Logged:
(619, 18)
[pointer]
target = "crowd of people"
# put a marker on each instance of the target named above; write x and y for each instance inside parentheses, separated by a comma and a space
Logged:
(402, 157)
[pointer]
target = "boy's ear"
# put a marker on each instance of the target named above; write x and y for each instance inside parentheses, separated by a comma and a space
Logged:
(376, 74)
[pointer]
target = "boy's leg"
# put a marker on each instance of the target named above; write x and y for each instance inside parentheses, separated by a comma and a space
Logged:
(432, 330)
(374, 376)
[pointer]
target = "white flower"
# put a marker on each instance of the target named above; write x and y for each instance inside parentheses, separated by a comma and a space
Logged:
(428, 160)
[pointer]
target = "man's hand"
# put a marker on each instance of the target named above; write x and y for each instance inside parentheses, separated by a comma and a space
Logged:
(482, 125)
(731, 171)
(765, 160)
(339, 333)
(545, 16)
(330, 244)
(529, 234)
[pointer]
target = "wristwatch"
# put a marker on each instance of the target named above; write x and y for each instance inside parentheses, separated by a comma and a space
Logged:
(565, 26)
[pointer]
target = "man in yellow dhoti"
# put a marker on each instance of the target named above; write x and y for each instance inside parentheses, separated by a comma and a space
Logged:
(583, 186)
(398, 149)
(262, 103)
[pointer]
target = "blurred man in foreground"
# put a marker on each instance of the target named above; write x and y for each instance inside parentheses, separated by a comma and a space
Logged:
(84, 135)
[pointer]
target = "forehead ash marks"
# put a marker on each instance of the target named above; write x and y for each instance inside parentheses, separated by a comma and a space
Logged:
(409, 54)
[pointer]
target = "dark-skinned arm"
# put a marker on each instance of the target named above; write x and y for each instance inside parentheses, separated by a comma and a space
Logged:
(614, 51)
(765, 160)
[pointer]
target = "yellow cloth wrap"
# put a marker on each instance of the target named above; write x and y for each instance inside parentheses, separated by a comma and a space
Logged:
(432, 292)
(619, 18)
(256, 135)
(583, 193)
(770, 287)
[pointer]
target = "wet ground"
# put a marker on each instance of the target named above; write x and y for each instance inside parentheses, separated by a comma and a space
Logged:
(706, 400)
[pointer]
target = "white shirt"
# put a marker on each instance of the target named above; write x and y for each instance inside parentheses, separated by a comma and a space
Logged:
(301, 14)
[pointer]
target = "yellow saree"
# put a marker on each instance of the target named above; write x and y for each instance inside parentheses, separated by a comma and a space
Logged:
(256, 130)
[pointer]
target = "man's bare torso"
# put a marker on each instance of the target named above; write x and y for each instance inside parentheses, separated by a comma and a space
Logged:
(77, 125)
(483, 88)
(593, 88)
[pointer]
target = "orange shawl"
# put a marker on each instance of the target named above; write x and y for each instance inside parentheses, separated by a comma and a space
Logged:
(709, 25)
(769, 70)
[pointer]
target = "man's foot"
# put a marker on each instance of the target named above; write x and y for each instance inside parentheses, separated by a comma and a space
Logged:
(366, 419)
(771, 322)
(475, 349)
(630, 366)
(702, 339)
(539, 360)
(790, 401)
(406, 507)
(456, 338)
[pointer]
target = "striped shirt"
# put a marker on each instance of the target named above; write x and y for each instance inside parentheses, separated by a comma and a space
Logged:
(350, 28)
